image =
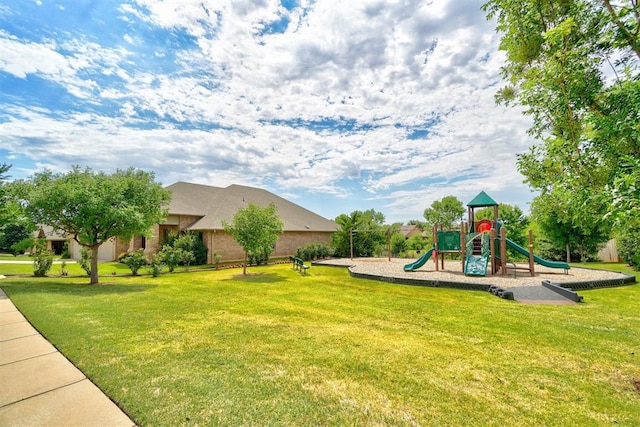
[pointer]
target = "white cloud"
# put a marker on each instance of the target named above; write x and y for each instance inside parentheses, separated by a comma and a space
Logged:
(203, 93)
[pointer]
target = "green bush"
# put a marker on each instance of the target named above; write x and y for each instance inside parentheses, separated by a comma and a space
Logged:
(629, 248)
(85, 260)
(260, 258)
(156, 265)
(312, 251)
(135, 260)
(65, 251)
(42, 258)
(398, 244)
(170, 256)
(189, 242)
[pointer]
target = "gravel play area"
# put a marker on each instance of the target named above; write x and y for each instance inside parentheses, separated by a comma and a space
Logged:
(453, 272)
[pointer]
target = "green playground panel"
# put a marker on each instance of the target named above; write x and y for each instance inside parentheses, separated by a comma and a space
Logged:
(448, 241)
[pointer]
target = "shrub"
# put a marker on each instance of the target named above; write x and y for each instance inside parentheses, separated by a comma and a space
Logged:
(135, 260)
(259, 258)
(200, 252)
(398, 244)
(312, 251)
(186, 258)
(65, 251)
(85, 260)
(188, 242)
(156, 265)
(416, 242)
(42, 258)
(170, 256)
(216, 259)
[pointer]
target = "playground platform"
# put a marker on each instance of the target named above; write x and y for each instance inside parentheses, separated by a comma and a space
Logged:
(548, 286)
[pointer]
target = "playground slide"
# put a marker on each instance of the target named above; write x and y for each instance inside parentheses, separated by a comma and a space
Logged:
(551, 264)
(476, 265)
(419, 262)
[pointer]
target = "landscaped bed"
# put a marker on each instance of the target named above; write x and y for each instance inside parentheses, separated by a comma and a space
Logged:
(279, 348)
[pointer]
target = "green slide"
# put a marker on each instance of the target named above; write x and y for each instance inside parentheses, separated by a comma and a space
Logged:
(419, 262)
(551, 264)
(476, 265)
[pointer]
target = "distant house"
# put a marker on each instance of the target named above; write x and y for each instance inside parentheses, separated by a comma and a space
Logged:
(410, 230)
(201, 209)
(108, 251)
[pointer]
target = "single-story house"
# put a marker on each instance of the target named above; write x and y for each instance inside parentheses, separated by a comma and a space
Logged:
(201, 209)
(410, 230)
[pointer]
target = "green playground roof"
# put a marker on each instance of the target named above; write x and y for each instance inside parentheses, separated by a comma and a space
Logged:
(482, 200)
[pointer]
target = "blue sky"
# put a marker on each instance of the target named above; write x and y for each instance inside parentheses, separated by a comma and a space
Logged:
(335, 105)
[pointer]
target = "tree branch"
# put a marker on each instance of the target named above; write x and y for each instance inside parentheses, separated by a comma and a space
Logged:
(631, 38)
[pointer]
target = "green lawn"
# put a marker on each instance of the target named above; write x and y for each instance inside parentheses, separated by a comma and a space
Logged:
(25, 267)
(278, 348)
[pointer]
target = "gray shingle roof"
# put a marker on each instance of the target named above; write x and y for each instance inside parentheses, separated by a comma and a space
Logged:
(215, 204)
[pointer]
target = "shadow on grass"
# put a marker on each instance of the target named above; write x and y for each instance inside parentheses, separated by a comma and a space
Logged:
(82, 289)
(259, 278)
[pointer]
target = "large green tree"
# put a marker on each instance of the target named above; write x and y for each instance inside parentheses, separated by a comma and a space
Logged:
(574, 67)
(15, 225)
(447, 212)
(256, 229)
(582, 231)
(92, 207)
(5, 215)
(367, 230)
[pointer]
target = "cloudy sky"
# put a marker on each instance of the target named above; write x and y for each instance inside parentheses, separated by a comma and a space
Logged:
(335, 105)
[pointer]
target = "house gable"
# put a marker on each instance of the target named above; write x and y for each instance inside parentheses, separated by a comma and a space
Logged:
(215, 205)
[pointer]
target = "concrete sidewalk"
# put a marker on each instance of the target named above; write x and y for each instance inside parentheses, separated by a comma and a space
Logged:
(40, 387)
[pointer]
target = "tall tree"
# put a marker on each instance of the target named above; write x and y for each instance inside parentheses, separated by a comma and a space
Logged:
(567, 227)
(368, 233)
(574, 65)
(256, 229)
(447, 212)
(93, 207)
(5, 216)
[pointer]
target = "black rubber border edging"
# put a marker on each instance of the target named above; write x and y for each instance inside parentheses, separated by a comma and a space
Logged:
(626, 279)
(422, 282)
(565, 292)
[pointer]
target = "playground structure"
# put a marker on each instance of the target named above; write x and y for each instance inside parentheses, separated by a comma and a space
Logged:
(482, 245)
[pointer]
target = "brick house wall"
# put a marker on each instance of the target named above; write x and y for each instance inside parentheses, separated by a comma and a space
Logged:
(222, 243)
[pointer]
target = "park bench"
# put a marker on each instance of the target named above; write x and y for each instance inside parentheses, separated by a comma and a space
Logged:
(298, 264)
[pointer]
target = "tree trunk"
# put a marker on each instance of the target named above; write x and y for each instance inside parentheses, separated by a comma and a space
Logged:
(94, 265)
(568, 253)
(244, 266)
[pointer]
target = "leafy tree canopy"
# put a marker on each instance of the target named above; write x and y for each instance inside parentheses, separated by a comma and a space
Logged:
(574, 65)
(256, 229)
(447, 212)
(368, 233)
(565, 228)
(93, 207)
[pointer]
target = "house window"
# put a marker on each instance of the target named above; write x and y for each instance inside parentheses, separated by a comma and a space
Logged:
(143, 242)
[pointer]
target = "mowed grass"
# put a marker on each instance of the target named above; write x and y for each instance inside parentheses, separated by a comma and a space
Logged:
(278, 348)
